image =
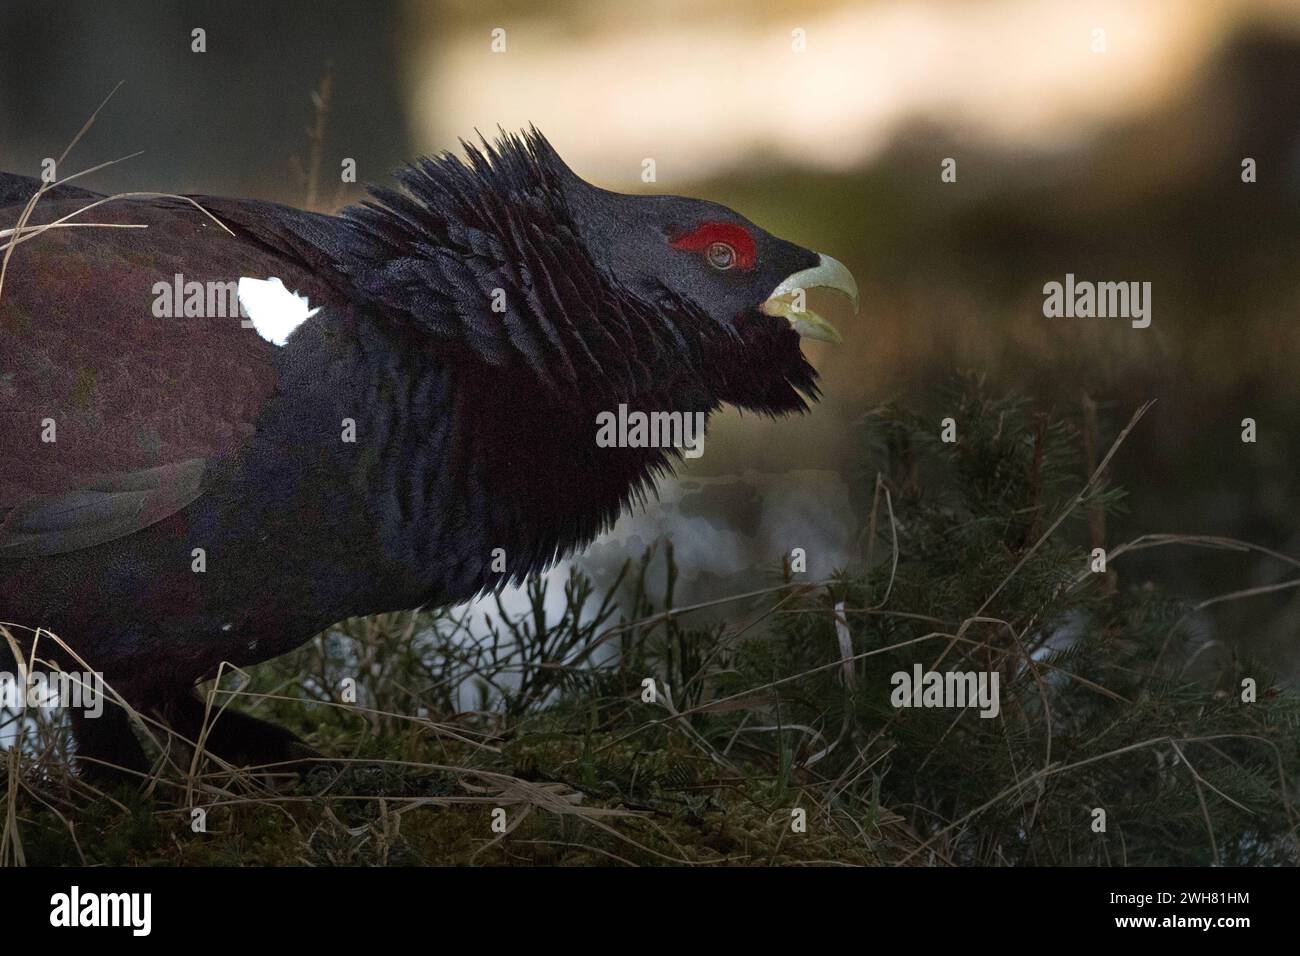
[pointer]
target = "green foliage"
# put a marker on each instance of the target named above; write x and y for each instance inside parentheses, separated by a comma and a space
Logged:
(1098, 709)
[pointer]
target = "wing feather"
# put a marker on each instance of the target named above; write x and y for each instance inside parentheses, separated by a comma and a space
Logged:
(110, 413)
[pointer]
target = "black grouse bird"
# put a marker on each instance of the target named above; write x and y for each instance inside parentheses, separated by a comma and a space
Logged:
(182, 486)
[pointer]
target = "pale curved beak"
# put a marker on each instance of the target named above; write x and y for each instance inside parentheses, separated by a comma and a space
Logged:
(788, 299)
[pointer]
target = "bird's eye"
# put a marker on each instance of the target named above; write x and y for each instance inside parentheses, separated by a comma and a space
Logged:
(723, 245)
(721, 255)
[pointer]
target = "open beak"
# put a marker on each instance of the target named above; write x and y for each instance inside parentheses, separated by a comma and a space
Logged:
(788, 299)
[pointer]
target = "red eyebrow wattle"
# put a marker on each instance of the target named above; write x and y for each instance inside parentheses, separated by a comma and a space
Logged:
(703, 236)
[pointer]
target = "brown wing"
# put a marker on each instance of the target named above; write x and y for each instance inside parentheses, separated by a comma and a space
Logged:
(108, 410)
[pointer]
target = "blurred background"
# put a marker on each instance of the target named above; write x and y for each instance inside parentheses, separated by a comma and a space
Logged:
(1104, 139)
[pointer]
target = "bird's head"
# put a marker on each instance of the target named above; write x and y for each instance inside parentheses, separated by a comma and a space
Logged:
(653, 296)
(746, 289)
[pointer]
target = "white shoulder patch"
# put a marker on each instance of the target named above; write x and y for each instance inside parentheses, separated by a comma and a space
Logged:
(272, 309)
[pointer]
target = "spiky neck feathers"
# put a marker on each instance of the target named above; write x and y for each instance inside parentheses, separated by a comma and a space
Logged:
(487, 253)
(537, 337)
